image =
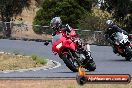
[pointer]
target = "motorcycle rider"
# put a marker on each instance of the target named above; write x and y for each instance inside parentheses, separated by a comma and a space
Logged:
(110, 30)
(57, 27)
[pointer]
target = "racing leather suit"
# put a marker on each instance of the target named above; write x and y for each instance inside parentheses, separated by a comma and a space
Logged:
(109, 35)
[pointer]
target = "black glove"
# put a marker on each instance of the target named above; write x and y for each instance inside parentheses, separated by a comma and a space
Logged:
(67, 28)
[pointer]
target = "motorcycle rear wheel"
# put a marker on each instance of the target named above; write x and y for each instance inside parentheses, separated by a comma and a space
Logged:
(69, 63)
(129, 54)
(128, 58)
(91, 66)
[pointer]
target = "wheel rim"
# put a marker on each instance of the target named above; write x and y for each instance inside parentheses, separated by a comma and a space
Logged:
(73, 61)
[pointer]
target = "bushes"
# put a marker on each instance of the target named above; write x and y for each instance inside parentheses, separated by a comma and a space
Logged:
(129, 24)
(69, 11)
(91, 22)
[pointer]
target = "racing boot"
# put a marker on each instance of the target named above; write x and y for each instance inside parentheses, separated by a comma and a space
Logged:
(87, 54)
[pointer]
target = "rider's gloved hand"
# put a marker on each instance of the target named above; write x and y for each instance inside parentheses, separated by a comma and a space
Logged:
(67, 28)
(78, 43)
(54, 33)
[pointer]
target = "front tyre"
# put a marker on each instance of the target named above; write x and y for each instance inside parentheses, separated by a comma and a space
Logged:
(70, 63)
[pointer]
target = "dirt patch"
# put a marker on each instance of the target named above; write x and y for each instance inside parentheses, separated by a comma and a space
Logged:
(55, 84)
(27, 17)
(15, 62)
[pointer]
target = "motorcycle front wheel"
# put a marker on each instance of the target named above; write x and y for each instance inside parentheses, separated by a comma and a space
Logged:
(70, 63)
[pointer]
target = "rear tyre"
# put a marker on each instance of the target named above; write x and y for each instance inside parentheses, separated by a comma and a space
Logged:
(128, 58)
(128, 53)
(91, 66)
(69, 62)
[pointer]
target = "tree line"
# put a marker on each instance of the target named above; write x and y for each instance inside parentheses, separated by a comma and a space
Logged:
(77, 13)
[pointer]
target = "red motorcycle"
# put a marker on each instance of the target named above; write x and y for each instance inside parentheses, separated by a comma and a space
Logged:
(69, 52)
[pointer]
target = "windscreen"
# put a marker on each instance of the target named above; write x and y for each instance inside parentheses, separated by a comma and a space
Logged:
(56, 37)
(118, 36)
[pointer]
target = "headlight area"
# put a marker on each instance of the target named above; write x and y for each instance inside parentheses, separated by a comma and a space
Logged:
(59, 45)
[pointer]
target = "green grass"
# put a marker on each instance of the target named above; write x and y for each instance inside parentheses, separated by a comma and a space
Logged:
(39, 59)
(71, 86)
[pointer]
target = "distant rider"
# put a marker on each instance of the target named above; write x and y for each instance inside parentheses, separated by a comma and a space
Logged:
(110, 31)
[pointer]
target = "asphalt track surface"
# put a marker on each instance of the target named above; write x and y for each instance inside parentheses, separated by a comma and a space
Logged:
(106, 61)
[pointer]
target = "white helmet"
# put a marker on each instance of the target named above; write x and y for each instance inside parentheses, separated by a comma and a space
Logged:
(55, 23)
(109, 22)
